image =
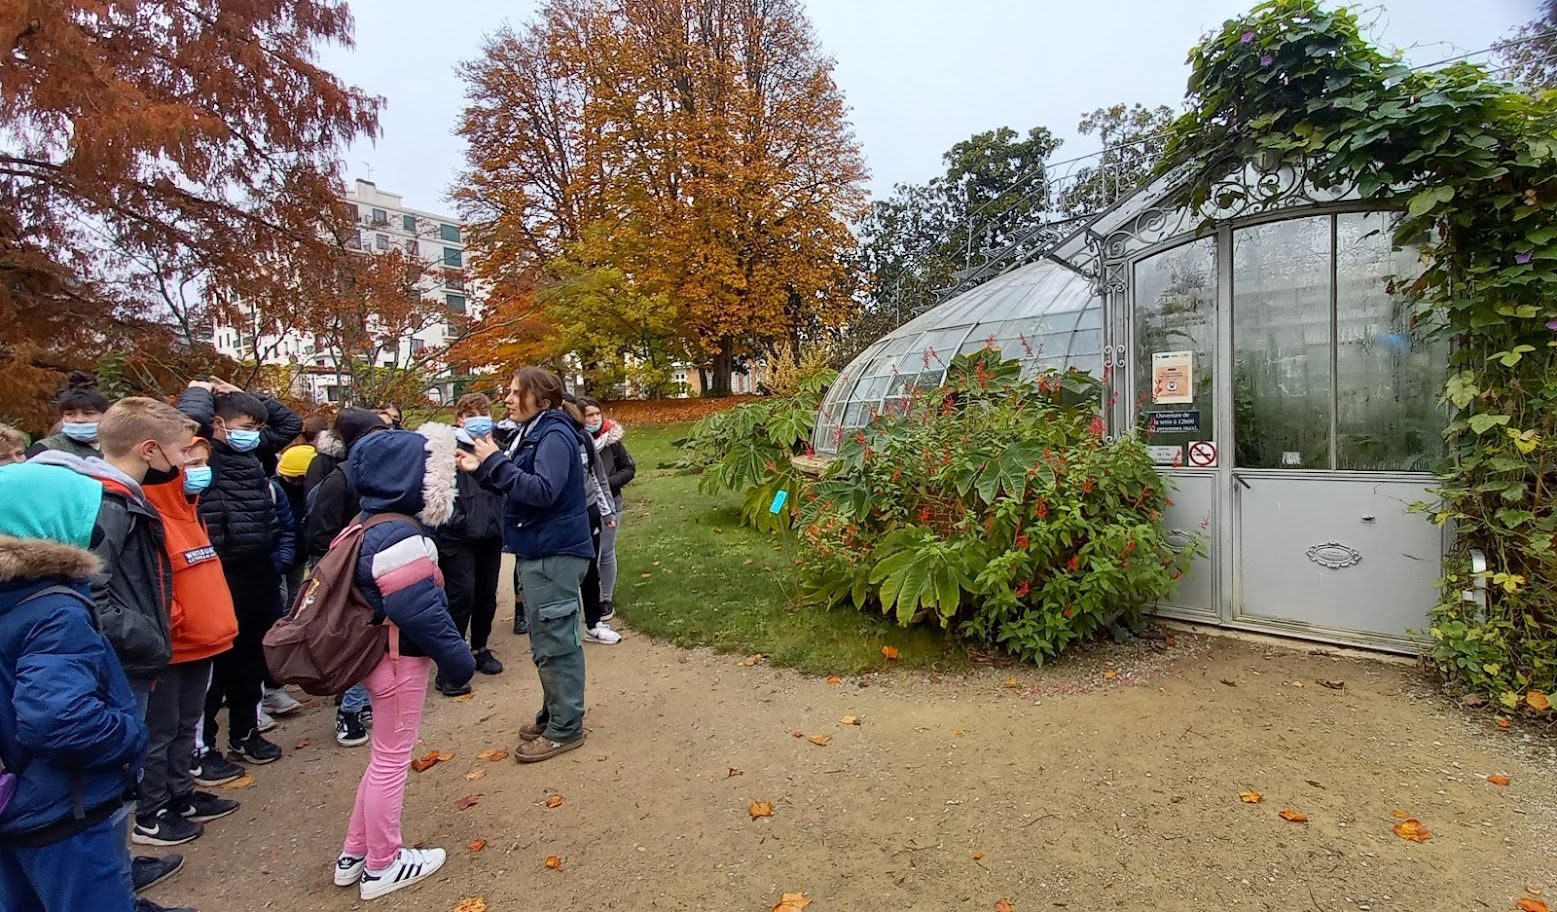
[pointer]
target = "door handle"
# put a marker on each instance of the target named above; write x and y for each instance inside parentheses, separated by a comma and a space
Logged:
(1240, 480)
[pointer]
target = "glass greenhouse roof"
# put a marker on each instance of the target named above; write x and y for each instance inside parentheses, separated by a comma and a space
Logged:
(1042, 314)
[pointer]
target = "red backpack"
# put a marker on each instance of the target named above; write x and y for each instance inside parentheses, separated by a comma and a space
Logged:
(328, 641)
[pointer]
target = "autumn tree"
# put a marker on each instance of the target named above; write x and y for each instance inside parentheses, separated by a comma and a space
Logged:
(143, 142)
(699, 147)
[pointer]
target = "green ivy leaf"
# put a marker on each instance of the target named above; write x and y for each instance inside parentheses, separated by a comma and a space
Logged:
(1426, 200)
(1484, 422)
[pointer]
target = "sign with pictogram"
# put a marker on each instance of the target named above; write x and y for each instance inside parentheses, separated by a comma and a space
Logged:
(1202, 454)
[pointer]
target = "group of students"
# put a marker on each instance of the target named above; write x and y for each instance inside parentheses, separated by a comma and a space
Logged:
(145, 551)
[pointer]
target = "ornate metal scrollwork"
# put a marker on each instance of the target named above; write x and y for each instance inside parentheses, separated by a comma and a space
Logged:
(1335, 555)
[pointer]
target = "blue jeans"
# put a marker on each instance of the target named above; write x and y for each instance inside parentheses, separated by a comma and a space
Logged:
(90, 870)
(355, 699)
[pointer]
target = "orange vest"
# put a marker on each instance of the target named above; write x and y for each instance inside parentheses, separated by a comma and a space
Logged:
(203, 621)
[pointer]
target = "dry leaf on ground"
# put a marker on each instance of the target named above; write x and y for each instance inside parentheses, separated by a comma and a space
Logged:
(1532, 905)
(477, 844)
(1003, 906)
(834, 680)
(1251, 797)
(554, 862)
(1504, 723)
(465, 698)
(1538, 701)
(493, 754)
(760, 809)
(797, 733)
(850, 720)
(1400, 814)
(242, 782)
(1012, 683)
(1333, 685)
(978, 856)
(427, 761)
(890, 652)
(1110, 675)
(1293, 816)
(1499, 779)
(792, 902)
(733, 773)
(1411, 830)
(301, 743)
(473, 775)
(473, 904)
(821, 740)
(555, 801)
(753, 659)
(468, 802)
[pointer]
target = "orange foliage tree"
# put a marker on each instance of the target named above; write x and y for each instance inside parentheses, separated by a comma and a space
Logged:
(698, 150)
(143, 144)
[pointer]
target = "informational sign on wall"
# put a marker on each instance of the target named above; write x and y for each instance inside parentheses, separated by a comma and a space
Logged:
(1166, 455)
(1202, 454)
(1177, 422)
(1173, 378)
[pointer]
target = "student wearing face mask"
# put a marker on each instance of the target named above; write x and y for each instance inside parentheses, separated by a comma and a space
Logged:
(13, 445)
(81, 406)
(170, 810)
(240, 513)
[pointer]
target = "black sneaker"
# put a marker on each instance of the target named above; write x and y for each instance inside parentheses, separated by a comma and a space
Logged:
(487, 663)
(607, 610)
(147, 871)
(164, 828)
(145, 905)
(449, 690)
(204, 807)
(212, 769)
(349, 730)
(254, 749)
(521, 626)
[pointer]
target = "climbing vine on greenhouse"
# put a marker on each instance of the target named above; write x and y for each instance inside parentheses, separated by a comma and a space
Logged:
(1471, 162)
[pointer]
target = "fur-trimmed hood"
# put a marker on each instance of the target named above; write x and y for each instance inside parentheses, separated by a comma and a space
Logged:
(25, 560)
(327, 444)
(405, 472)
(611, 433)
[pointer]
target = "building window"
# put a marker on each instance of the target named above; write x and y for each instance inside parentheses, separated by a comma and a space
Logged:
(380, 217)
(409, 222)
(453, 256)
(355, 240)
(449, 233)
(454, 282)
(456, 302)
(412, 247)
(417, 347)
(381, 241)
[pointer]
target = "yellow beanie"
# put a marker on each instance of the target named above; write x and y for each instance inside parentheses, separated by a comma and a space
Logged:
(295, 462)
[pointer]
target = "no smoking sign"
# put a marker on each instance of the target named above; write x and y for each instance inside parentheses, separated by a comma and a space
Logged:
(1202, 454)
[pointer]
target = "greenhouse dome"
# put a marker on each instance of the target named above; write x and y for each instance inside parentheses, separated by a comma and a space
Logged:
(1044, 314)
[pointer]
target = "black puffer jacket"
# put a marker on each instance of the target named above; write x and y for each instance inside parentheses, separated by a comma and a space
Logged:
(478, 513)
(238, 507)
(619, 466)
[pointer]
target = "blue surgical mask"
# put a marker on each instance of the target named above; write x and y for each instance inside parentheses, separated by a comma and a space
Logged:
(243, 441)
(594, 428)
(479, 426)
(196, 479)
(80, 431)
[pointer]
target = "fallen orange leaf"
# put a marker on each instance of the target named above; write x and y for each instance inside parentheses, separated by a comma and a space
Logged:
(555, 801)
(1538, 701)
(733, 773)
(473, 904)
(443, 756)
(1532, 905)
(426, 761)
(978, 856)
(797, 733)
(760, 809)
(1110, 675)
(554, 862)
(792, 902)
(1251, 797)
(468, 802)
(1499, 779)
(956, 733)
(752, 659)
(473, 775)
(890, 652)
(1293, 816)
(242, 782)
(1412, 830)
(850, 720)
(1504, 723)
(478, 844)
(301, 743)
(821, 740)
(492, 754)
(465, 698)
(1002, 906)
(835, 680)
(1400, 814)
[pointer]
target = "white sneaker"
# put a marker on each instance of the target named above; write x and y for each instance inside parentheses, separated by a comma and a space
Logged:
(266, 723)
(280, 703)
(348, 870)
(412, 866)
(603, 634)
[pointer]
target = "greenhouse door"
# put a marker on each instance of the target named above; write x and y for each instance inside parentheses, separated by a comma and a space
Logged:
(1334, 424)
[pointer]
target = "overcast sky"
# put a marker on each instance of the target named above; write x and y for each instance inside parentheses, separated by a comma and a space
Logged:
(919, 75)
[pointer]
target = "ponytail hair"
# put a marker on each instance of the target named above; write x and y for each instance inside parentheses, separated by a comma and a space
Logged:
(81, 395)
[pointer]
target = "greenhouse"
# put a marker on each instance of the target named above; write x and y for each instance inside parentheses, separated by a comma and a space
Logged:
(1263, 347)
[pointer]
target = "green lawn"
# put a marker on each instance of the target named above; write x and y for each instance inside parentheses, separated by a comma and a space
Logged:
(692, 574)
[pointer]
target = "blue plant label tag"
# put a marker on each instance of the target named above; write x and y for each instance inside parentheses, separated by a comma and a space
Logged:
(779, 500)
